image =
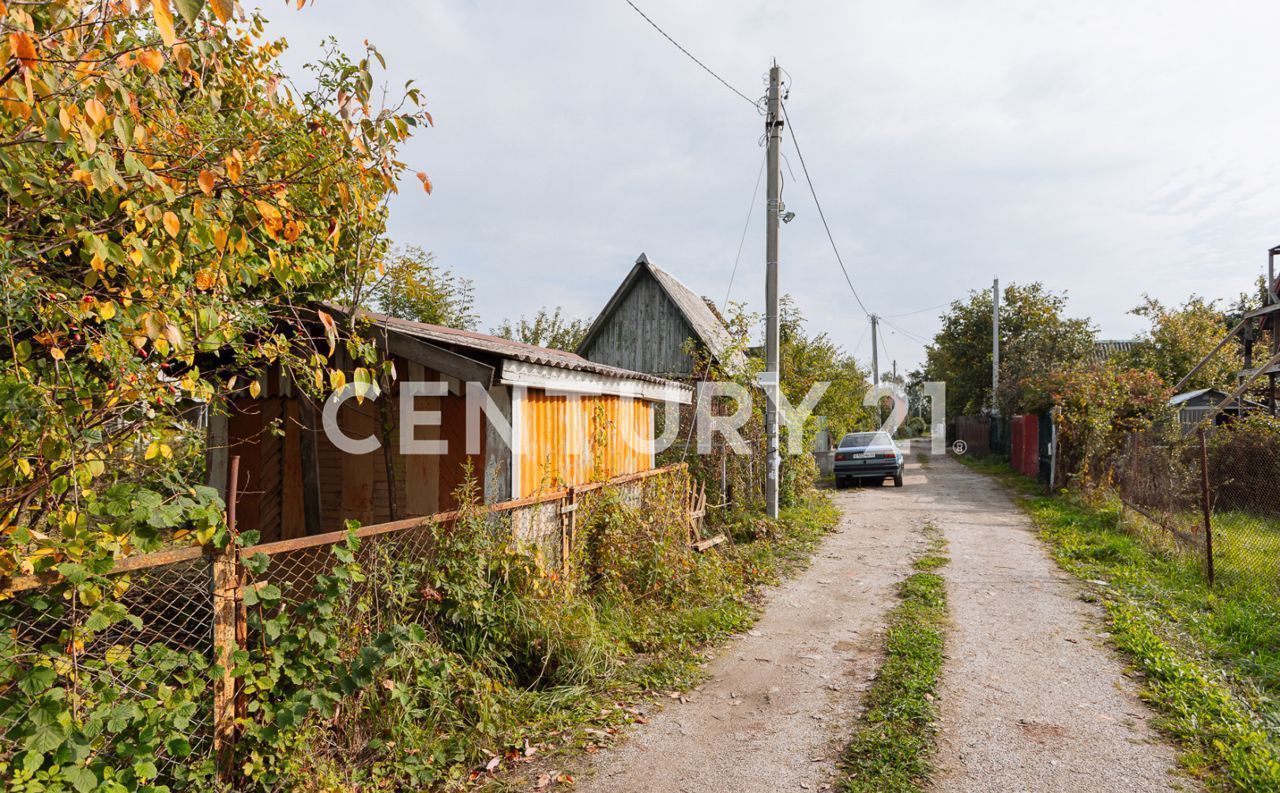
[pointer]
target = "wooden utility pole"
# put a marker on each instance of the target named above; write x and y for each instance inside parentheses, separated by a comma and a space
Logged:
(995, 346)
(773, 200)
(875, 356)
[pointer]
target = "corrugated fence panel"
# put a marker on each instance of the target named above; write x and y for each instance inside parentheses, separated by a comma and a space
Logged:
(572, 441)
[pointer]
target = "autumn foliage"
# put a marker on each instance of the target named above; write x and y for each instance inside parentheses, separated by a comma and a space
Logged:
(171, 200)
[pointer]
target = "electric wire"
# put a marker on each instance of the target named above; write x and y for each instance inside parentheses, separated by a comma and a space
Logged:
(804, 168)
(917, 311)
(705, 68)
(745, 227)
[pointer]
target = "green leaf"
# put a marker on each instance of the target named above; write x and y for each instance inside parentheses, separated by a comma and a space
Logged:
(81, 778)
(178, 746)
(73, 572)
(189, 9)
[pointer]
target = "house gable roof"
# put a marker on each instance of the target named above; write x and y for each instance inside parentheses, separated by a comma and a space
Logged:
(703, 322)
(496, 351)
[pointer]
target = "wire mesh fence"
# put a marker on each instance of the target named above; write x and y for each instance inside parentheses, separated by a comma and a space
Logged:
(1211, 495)
(177, 616)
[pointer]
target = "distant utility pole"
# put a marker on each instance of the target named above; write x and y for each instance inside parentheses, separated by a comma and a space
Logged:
(995, 345)
(875, 355)
(773, 200)
(895, 371)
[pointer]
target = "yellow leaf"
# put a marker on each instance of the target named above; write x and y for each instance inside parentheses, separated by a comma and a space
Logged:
(337, 379)
(57, 354)
(152, 451)
(165, 451)
(107, 310)
(173, 335)
(204, 280)
(95, 110)
(164, 21)
(24, 466)
(172, 224)
(182, 55)
(151, 60)
(426, 182)
(330, 329)
(206, 181)
(222, 9)
(24, 49)
(255, 388)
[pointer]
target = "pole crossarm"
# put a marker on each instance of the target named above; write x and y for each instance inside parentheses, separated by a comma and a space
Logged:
(1234, 395)
(1177, 389)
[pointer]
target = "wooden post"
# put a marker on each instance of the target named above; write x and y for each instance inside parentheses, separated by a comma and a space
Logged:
(568, 527)
(310, 464)
(226, 619)
(1205, 507)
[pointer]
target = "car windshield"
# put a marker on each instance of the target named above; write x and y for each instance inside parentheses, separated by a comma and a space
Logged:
(859, 439)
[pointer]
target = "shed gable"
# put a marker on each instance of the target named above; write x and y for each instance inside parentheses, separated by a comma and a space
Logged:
(645, 332)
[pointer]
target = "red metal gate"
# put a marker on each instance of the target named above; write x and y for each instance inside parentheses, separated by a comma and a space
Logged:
(1024, 449)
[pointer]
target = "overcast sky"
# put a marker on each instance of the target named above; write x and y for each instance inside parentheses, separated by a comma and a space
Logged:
(1104, 148)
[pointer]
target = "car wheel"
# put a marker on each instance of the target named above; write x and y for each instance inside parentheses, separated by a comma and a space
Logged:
(897, 480)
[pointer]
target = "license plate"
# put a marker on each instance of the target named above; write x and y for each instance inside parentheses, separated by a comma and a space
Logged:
(863, 455)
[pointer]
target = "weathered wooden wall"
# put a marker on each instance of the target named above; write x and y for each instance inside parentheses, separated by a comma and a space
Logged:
(646, 333)
(266, 433)
(571, 441)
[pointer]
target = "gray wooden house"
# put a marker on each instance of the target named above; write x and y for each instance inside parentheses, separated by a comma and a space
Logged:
(647, 323)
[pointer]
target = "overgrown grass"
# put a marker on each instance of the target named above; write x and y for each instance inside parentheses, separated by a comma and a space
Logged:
(894, 745)
(665, 641)
(503, 661)
(1210, 657)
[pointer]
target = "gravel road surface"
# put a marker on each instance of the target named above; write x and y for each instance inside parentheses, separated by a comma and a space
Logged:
(1032, 700)
(780, 701)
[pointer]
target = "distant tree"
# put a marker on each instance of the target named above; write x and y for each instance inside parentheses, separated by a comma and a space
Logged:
(410, 285)
(547, 329)
(1036, 339)
(806, 360)
(1179, 338)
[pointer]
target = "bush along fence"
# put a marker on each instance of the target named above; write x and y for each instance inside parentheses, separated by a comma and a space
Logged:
(1212, 494)
(204, 669)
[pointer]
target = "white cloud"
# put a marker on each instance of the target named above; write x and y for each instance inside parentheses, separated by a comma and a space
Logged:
(1108, 149)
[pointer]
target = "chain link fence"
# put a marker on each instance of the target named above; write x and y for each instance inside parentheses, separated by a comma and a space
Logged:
(178, 615)
(1212, 495)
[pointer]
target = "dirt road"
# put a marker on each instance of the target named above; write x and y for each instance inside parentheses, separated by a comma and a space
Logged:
(780, 701)
(1031, 698)
(1031, 701)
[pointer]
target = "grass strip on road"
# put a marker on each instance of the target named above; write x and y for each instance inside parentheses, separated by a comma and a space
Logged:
(894, 745)
(1209, 657)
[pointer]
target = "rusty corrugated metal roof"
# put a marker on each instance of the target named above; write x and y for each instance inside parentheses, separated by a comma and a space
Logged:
(499, 347)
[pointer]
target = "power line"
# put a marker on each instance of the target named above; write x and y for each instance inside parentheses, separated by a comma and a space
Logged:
(822, 215)
(911, 336)
(917, 311)
(750, 210)
(705, 68)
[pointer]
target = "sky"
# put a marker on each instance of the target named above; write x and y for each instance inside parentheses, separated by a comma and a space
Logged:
(1107, 149)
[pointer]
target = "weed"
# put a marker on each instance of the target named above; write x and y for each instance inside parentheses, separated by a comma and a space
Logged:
(894, 745)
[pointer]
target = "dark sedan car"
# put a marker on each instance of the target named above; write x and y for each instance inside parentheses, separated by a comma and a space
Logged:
(870, 456)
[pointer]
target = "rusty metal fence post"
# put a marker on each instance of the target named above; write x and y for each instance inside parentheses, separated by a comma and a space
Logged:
(227, 629)
(1206, 508)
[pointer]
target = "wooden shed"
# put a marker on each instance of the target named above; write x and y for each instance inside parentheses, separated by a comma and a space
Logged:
(648, 322)
(571, 421)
